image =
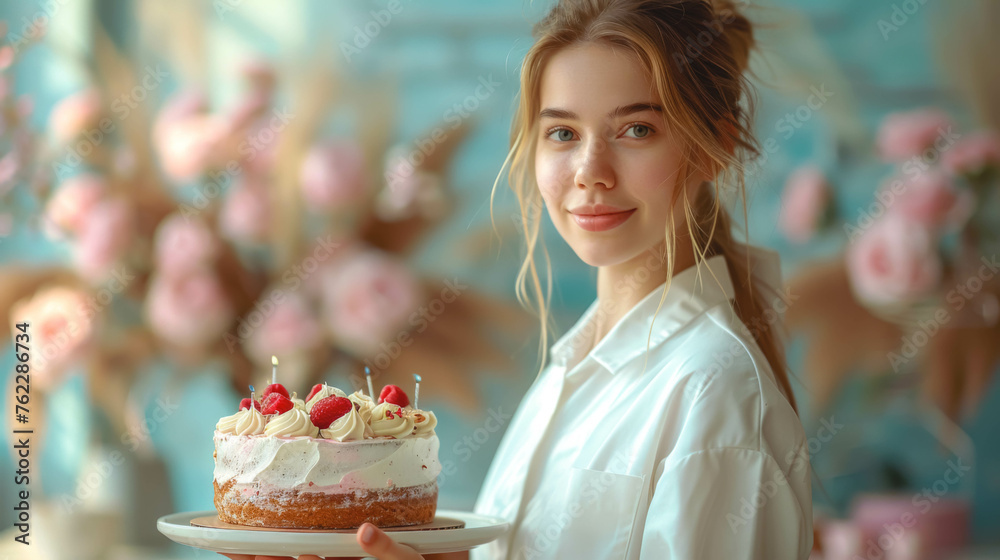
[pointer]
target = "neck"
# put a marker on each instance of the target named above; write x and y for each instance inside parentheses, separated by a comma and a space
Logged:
(620, 287)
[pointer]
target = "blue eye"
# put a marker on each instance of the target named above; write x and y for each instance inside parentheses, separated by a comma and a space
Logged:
(561, 134)
(640, 131)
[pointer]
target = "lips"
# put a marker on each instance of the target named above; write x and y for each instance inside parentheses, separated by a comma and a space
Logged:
(599, 219)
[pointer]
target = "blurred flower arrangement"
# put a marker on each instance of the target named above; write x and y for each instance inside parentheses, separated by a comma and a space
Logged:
(199, 235)
(919, 262)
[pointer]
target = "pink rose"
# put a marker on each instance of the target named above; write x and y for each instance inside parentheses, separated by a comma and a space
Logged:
(184, 244)
(61, 327)
(894, 261)
(803, 203)
(904, 135)
(368, 301)
(972, 154)
(76, 114)
(187, 146)
(246, 213)
(931, 199)
(70, 204)
(289, 329)
(333, 175)
(188, 310)
(104, 239)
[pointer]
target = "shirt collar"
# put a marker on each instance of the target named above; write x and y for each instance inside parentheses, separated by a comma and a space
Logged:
(692, 292)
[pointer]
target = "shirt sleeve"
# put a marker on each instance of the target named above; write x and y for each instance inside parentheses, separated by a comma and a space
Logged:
(725, 503)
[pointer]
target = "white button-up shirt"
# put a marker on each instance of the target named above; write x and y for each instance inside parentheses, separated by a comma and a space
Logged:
(700, 457)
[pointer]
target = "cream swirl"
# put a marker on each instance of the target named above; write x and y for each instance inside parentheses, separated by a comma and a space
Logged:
(389, 420)
(291, 423)
(424, 421)
(299, 403)
(246, 422)
(349, 427)
(364, 403)
(324, 392)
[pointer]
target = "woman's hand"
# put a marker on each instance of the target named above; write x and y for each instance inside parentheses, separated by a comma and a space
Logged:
(373, 541)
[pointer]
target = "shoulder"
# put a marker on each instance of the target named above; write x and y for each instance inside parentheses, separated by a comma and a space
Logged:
(727, 392)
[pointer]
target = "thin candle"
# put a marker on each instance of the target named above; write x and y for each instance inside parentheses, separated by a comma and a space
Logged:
(368, 376)
(416, 391)
(252, 399)
(274, 369)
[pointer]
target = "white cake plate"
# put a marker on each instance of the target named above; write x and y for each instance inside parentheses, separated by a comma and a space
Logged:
(479, 529)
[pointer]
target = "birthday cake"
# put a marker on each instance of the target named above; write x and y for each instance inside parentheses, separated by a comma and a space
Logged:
(332, 461)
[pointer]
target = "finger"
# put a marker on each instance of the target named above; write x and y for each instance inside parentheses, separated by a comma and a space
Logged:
(374, 541)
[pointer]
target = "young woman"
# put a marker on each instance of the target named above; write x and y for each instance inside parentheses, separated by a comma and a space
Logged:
(664, 424)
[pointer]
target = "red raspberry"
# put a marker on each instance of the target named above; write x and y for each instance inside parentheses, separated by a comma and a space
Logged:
(316, 388)
(328, 409)
(276, 388)
(394, 395)
(276, 403)
(245, 404)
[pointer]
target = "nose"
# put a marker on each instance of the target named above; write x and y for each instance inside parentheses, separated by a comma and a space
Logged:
(594, 169)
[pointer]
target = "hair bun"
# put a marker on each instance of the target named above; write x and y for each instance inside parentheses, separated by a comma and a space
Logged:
(738, 30)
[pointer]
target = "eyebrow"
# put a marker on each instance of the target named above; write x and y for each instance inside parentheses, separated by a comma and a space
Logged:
(616, 113)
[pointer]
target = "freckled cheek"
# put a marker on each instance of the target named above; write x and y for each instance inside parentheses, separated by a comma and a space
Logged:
(553, 176)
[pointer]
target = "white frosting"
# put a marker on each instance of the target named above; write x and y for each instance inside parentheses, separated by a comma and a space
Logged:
(331, 466)
(365, 403)
(349, 427)
(390, 420)
(248, 421)
(424, 421)
(324, 392)
(291, 423)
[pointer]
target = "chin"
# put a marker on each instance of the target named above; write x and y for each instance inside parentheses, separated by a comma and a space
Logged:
(598, 254)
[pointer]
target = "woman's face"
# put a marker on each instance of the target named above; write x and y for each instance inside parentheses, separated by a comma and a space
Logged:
(605, 162)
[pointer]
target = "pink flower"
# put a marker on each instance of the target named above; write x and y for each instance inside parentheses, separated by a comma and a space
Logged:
(183, 245)
(930, 199)
(894, 261)
(187, 146)
(972, 154)
(908, 134)
(188, 310)
(368, 301)
(76, 114)
(104, 239)
(61, 327)
(289, 329)
(803, 203)
(75, 198)
(246, 213)
(333, 175)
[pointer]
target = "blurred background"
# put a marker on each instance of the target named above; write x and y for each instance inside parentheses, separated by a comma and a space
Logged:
(189, 188)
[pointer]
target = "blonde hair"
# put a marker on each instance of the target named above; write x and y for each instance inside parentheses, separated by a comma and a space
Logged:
(696, 52)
